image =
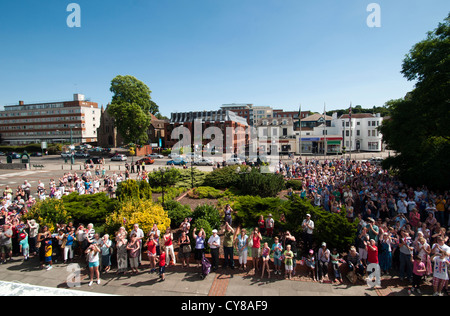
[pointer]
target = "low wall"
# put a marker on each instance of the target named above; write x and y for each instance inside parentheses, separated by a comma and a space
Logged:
(14, 166)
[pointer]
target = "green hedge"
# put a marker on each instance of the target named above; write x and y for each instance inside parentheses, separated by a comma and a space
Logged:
(89, 208)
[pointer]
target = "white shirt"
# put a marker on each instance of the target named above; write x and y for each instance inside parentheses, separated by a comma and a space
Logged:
(310, 223)
(440, 268)
(213, 239)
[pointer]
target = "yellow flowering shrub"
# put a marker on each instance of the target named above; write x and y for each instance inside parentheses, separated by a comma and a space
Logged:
(142, 212)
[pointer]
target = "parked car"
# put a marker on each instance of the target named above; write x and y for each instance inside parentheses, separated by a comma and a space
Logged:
(173, 156)
(36, 154)
(80, 154)
(155, 156)
(203, 162)
(14, 155)
(234, 161)
(66, 154)
(146, 160)
(119, 157)
(177, 161)
(2, 153)
(94, 160)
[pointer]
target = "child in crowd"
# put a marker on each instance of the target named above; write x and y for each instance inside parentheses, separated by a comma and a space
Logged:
(48, 254)
(289, 262)
(162, 263)
(419, 271)
(266, 259)
(440, 272)
(310, 262)
(24, 246)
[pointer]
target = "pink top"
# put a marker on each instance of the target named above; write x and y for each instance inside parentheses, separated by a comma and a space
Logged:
(418, 266)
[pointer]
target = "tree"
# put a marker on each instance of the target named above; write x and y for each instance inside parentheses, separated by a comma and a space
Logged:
(418, 128)
(130, 107)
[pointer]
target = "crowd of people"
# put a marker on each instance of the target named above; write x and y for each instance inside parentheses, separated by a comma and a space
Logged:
(401, 230)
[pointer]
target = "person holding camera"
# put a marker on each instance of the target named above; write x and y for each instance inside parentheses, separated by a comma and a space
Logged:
(92, 253)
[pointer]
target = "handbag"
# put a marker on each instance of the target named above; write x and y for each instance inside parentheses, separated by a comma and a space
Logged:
(186, 248)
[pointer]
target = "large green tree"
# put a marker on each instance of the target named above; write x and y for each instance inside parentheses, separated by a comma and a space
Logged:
(130, 107)
(419, 128)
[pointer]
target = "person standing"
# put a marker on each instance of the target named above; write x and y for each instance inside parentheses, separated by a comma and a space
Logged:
(168, 243)
(440, 272)
(323, 260)
(93, 258)
(199, 245)
(185, 249)
(214, 245)
(139, 234)
(256, 238)
(151, 251)
(406, 252)
(270, 224)
(121, 249)
(228, 242)
(308, 230)
(133, 254)
(5, 243)
(277, 249)
(242, 249)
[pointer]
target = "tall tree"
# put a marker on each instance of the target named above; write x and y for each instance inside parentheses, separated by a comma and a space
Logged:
(419, 128)
(130, 107)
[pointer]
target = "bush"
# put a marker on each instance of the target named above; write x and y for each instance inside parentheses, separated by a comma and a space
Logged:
(170, 177)
(249, 208)
(132, 189)
(262, 184)
(142, 212)
(224, 178)
(89, 208)
(206, 193)
(332, 228)
(177, 212)
(209, 213)
(186, 176)
(296, 185)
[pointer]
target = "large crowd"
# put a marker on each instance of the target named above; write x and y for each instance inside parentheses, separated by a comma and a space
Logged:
(402, 230)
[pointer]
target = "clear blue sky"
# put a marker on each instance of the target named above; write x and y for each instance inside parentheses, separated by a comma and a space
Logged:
(199, 54)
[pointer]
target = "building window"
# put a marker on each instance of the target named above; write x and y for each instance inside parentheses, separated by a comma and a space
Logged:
(373, 146)
(357, 132)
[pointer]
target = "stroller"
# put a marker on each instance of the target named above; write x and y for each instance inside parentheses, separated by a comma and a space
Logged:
(206, 267)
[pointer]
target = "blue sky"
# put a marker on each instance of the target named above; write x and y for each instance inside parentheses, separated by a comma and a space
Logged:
(199, 54)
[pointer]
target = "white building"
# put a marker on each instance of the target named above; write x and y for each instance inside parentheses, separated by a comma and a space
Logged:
(361, 134)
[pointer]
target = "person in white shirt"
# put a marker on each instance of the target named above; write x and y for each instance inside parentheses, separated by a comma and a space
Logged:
(401, 206)
(139, 234)
(308, 229)
(214, 245)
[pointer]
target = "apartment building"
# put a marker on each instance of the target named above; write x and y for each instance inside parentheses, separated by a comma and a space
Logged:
(73, 121)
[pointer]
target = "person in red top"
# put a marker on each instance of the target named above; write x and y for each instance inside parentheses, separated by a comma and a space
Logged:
(151, 250)
(261, 224)
(372, 252)
(168, 238)
(256, 248)
(372, 259)
(162, 263)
